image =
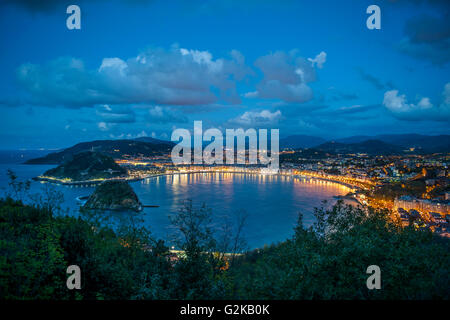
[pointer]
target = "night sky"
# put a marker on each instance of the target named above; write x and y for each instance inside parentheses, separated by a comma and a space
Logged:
(143, 68)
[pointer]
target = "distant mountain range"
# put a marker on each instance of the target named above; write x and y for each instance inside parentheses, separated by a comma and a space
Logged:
(146, 146)
(383, 144)
(372, 147)
(424, 143)
(301, 141)
(154, 141)
(115, 148)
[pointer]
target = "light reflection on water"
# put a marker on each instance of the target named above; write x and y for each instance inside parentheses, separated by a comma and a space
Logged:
(272, 203)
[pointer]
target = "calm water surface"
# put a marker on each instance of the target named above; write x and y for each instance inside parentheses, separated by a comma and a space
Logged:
(271, 203)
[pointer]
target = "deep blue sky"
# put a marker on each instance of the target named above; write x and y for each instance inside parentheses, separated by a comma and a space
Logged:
(146, 67)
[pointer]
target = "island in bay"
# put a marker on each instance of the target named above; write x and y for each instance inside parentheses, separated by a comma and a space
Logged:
(115, 196)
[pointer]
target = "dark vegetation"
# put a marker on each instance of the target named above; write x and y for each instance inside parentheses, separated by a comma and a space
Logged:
(414, 188)
(325, 261)
(87, 166)
(394, 142)
(113, 195)
(303, 156)
(113, 148)
(329, 260)
(371, 147)
(301, 141)
(146, 146)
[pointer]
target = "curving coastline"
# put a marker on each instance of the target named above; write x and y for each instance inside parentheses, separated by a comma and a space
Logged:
(88, 183)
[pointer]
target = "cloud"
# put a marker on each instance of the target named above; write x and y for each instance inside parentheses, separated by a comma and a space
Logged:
(423, 109)
(285, 77)
(205, 58)
(438, 53)
(336, 95)
(252, 94)
(377, 83)
(114, 64)
(34, 5)
(103, 126)
(446, 94)
(49, 5)
(427, 29)
(158, 114)
(438, 3)
(304, 125)
(428, 37)
(140, 134)
(257, 118)
(319, 60)
(350, 110)
(115, 114)
(398, 103)
(165, 77)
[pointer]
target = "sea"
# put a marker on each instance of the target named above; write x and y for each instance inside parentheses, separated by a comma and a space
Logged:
(270, 203)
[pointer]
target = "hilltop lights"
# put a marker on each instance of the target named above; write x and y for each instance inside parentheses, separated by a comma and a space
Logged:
(213, 153)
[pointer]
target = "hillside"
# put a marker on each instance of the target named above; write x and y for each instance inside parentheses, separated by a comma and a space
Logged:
(304, 156)
(113, 148)
(421, 143)
(114, 195)
(154, 141)
(372, 147)
(301, 141)
(87, 166)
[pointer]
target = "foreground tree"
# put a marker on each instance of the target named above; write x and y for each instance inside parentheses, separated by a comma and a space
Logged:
(329, 260)
(37, 247)
(325, 261)
(197, 271)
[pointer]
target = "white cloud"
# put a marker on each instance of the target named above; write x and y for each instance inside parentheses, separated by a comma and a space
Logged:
(115, 113)
(159, 114)
(114, 65)
(204, 57)
(254, 118)
(252, 94)
(424, 103)
(398, 103)
(286, 77)
(128, 135)
(423, 109)
(166, 77)
(156, 112)
(306, 125)
(141, 134)
(446, 94)
(102, 126)
(319, 60)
